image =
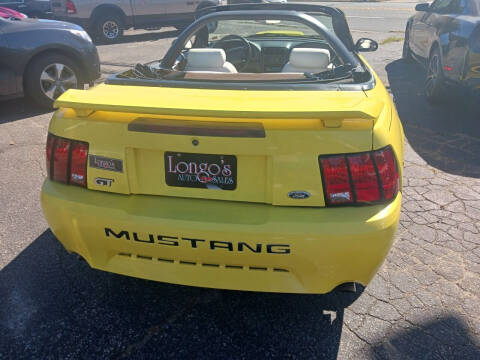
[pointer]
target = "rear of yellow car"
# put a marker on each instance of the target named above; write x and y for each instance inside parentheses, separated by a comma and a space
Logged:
(293, 191)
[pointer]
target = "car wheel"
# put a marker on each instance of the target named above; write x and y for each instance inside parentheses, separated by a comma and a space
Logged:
(406, 52)
(108, 28)
(49, 76)
(434, 83)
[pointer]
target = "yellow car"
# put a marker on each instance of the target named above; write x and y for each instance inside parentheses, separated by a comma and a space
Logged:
(261, 153)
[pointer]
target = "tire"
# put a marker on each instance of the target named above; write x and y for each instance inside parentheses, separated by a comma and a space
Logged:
(435, 82)
(108, 28)
(407, 52)
(49, 76)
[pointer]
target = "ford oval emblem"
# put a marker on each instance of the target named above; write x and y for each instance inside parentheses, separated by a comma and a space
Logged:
(298, 195)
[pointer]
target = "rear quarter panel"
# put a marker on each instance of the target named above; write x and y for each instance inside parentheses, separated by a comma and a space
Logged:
(454, 41)
(388, 129)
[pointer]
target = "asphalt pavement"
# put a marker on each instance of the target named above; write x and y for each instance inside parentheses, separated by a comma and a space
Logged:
(377, 17)
(424, 302)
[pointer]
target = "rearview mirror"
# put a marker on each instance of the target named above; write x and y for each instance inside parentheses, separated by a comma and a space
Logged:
(422, 7)
(364, 44)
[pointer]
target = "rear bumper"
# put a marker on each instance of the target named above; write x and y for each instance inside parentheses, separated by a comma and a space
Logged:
(204, 242)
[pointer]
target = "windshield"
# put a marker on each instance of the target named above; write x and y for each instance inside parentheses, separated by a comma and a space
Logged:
(250, 28)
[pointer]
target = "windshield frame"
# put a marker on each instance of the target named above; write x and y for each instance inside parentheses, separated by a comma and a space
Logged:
(338, 46)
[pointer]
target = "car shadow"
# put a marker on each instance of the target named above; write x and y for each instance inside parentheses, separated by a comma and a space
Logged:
(446, 135)
(445, 337)
(144, 36)
(18, 109)
(54, 305)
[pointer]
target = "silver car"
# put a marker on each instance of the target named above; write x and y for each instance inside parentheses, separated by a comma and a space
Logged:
(106, 19)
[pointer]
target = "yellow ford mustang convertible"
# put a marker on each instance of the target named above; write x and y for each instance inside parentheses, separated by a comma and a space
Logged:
(261, 153)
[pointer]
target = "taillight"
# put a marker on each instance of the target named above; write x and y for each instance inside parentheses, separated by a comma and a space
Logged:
(67, 160)
(78, 163)
(388, 172)
(71, 7)
(50, 142)
(336, 179)
(61, 151)
(362, 178)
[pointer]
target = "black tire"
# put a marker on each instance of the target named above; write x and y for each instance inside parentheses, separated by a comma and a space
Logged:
(54, 82)
(407, 52)
(435, 82)
(108, 28)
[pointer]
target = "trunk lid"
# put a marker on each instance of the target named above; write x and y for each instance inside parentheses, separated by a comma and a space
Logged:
(275, 137)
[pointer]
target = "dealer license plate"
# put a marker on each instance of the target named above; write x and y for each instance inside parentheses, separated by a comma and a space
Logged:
(205, 171)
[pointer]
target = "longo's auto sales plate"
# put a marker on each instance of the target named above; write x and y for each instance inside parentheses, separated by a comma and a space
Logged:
(205, 171)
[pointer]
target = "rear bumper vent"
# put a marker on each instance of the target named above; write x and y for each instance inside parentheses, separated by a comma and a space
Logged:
(201, 264)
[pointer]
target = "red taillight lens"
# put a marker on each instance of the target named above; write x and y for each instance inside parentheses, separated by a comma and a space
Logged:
(71, 8)
(336, 179)
(78, 163)
(60, 160)
(363, 178)
(67, 160)
(388, 172)
(50, 143)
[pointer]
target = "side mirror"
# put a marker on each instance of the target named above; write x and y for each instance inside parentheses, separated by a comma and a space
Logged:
(364, 44)
(422, 7)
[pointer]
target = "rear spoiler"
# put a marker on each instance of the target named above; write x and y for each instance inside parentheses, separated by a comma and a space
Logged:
(223, 103)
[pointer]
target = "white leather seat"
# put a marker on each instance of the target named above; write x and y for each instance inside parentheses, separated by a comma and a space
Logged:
(307, 60)
(208, 60)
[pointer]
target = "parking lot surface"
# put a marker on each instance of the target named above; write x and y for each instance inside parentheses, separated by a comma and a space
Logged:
(424, 302)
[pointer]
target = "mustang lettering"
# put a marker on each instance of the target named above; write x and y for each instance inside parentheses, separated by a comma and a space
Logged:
(194, 243)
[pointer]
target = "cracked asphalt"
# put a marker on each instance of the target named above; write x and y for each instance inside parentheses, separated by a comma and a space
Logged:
(424, 303)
